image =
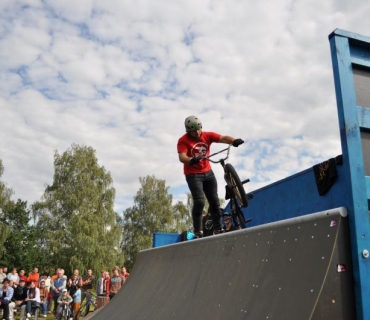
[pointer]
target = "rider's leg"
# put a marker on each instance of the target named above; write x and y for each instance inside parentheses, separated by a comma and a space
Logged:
(210, 190)
(195, 183)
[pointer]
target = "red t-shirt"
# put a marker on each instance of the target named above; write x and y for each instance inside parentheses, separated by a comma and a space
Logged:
(197, 147)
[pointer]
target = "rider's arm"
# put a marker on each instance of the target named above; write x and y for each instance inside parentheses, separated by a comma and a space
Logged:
(184, 158)
(226, 139)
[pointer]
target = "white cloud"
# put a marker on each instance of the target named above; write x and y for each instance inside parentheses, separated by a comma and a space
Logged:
(121, 76)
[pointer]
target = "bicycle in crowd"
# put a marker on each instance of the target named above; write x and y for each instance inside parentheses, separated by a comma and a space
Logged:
(65, 313)
(234, 189)
(88, 305)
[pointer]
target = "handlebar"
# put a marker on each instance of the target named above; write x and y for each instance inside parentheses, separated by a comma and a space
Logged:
(222, 159)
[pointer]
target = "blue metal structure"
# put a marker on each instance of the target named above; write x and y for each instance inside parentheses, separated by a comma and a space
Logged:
(351, 66)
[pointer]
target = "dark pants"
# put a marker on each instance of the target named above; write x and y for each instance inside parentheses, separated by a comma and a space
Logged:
(55, 300)
(204, 184)
(5, 306)
(85, 294)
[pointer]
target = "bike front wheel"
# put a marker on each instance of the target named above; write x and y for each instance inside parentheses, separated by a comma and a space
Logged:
(233, 181)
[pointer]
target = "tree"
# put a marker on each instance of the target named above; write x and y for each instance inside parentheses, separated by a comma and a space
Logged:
(152, 212)
(21, 245)
(182, 217)
(78, 226)
(5, 205)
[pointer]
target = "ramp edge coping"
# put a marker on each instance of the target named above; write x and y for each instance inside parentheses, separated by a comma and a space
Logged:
(341, 211)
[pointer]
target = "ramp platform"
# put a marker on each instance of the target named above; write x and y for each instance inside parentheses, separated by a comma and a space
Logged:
(294, 269)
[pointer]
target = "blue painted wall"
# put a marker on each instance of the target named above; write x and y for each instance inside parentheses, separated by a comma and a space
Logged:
(295, 196)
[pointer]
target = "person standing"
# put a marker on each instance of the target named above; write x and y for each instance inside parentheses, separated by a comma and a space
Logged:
(22, 275)
(76, 301)
(228, 223)
(124, 273)
(192, 147)
(87, 285)
(2, 276)
(107, 284)
(14, 276)
(116, 282)
(34, 276)
(102, 289)
(58, 285)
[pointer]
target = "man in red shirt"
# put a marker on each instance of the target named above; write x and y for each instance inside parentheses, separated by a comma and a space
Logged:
(192, 147)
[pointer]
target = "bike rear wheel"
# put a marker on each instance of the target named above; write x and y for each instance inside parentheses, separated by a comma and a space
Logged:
(236, 185)
(240, 217)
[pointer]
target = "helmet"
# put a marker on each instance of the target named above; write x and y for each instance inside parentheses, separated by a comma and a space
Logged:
(192, 123)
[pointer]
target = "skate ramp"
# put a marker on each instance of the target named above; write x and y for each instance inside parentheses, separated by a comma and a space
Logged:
(294, 269)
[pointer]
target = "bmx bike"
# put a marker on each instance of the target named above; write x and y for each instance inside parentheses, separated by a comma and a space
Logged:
(234, 189)
(89, 305)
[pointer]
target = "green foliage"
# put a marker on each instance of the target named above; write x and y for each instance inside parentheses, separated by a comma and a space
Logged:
(76, 221)
(182, 217)
(5, 206)
(152, 212)
(21, 245)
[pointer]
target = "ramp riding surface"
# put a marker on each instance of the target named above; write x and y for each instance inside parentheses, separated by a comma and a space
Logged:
(294, 269)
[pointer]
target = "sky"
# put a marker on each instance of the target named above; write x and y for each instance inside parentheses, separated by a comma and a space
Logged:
(121, 76)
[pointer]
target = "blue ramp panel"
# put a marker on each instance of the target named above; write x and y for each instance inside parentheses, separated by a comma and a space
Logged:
(294, 269)
(351, 67)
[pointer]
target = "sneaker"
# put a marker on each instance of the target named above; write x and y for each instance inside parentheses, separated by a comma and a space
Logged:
(28, 315)
(198, 234)
(44, 315)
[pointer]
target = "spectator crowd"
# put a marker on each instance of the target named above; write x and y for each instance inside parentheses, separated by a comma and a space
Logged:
(51, 293)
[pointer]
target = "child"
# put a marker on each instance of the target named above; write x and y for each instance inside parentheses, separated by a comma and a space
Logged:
(64, 300)
(77, 300)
